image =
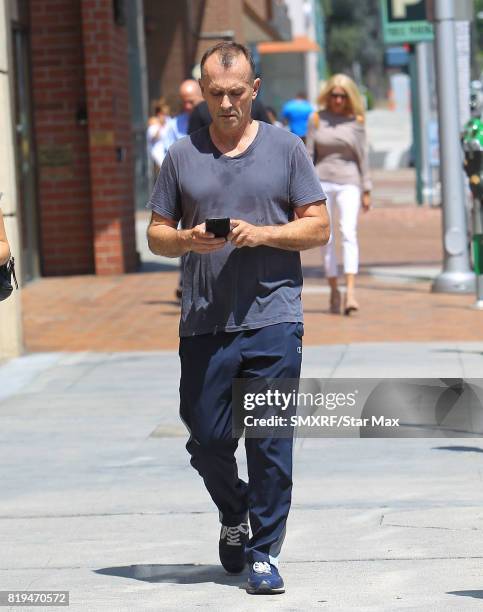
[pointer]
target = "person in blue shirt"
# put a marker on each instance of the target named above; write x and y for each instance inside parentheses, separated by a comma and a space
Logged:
(296, 113)
(190, 95)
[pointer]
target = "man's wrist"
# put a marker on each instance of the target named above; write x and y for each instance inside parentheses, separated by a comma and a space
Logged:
(185, 240)
(269, 235)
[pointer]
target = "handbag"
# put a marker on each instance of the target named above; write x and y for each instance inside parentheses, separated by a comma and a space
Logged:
(6, 273)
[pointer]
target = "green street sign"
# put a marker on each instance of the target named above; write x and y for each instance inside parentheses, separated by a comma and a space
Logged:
(404, 21)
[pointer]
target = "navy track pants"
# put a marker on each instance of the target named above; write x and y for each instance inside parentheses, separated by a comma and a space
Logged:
(209, 362)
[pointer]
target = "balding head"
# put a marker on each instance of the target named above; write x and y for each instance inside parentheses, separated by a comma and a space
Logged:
(229, 53)
(190, 94)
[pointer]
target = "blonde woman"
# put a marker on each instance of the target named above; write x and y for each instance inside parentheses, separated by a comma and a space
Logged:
(336, 141)
(4, 248)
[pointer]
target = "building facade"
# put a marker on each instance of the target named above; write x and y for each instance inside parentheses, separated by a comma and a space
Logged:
(82, 125)
(177, 35)
(297, 65)
(83, 75)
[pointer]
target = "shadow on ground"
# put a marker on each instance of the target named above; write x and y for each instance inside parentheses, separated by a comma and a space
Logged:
(188, 573)
(154, 266)
(474, 594)
(460, 449)
(457, 350)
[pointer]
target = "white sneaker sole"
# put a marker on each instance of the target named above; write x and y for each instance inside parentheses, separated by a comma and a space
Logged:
(265, 589)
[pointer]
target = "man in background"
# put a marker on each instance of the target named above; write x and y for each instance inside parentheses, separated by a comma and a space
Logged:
(190, 94)
(296, 113)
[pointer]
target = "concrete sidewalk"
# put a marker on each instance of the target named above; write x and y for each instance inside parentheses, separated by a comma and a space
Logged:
(98, 497)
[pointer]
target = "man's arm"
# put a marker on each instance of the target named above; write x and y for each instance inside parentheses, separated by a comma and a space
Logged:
(310, 229)
(165, 239)
(310, 138)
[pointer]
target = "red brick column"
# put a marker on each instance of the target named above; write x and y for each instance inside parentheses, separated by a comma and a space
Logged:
(109, 127)
(61, 140)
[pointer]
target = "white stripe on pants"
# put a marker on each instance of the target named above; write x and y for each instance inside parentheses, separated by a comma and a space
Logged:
(348, 200)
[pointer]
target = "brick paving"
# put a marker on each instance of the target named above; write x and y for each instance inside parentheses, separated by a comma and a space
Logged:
(137, 311)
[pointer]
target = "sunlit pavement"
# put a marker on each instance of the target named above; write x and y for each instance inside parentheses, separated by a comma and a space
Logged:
(97, 494)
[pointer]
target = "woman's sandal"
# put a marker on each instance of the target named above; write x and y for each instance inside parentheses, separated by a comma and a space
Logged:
(335, 302)
(350, 306)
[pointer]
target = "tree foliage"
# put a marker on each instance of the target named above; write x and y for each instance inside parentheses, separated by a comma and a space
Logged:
(354, 36)
(478, 39)
(342, 44)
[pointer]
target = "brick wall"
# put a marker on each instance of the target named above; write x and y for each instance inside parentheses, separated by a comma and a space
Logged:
(62, 144)
(172, 50)
(219, 16)
(261, 7)
(166, 48)
(110, 149)
(79, 64)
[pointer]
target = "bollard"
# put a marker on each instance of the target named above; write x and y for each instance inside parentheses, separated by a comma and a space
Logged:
(478, 263)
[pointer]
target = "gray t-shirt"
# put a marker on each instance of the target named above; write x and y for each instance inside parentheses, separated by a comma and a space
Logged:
(236, 289)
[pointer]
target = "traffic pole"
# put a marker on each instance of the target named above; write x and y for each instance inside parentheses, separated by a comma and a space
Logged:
(456, 276)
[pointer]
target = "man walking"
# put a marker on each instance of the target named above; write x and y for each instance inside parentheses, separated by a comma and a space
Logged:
(296, 113)
(241, 313)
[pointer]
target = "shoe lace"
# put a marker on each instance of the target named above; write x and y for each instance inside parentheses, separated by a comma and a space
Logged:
(233, 534)
(262, 567)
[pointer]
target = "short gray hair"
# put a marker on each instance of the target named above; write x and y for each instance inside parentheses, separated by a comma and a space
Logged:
(228, 51)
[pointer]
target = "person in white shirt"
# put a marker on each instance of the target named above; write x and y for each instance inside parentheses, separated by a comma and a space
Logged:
(157, 127)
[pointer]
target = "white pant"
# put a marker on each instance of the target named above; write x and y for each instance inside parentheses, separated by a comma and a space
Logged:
(348, 200)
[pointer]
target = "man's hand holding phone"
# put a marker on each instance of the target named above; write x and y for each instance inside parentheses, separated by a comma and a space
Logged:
(245, 234)
(201, 241)
(215, 232)
(218, 226)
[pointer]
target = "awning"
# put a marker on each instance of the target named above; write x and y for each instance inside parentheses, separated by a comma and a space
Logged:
(299, 44)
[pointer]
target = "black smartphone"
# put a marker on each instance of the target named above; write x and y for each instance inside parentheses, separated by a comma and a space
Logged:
(219, 227)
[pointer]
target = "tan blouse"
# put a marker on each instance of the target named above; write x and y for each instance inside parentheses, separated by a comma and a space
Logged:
(339, 147)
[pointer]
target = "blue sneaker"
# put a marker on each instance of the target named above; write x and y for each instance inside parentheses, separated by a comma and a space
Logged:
(232, 547)
(264, 579)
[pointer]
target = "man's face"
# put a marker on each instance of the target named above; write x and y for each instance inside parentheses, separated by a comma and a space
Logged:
(189, 100)
(229, 92)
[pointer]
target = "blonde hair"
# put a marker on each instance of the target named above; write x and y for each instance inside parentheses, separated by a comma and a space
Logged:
(354, 99)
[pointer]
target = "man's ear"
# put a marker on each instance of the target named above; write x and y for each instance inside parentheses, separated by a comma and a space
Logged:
(200, 83)
(256, 87)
